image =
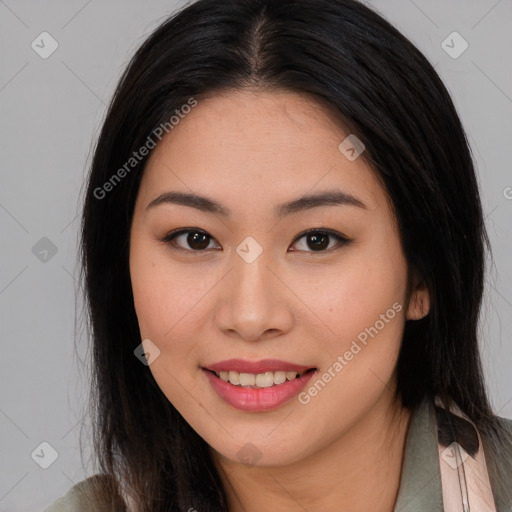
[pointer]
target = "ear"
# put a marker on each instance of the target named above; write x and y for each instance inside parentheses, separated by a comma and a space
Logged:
(419, 301)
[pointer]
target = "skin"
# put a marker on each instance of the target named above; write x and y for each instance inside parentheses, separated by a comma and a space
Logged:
(251, 150)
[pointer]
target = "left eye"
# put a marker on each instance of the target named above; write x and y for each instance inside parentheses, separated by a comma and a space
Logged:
(198, 240)
(318, 240)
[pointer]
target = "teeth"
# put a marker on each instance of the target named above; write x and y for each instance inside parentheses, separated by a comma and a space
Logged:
(260, 380)
(245, 379)
(234, 378)
(265, 380)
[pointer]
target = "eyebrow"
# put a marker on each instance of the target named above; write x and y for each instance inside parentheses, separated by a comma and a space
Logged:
(306, 202)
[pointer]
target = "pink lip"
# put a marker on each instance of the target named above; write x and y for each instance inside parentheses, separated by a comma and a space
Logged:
(262, 366)
(258, 399)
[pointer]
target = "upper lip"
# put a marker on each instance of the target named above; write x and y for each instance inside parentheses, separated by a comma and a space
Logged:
(261, 366)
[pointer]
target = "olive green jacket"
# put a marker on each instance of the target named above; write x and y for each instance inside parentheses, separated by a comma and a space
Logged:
(420, 483)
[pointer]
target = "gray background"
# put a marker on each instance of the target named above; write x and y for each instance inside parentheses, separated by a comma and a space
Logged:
(51, 111)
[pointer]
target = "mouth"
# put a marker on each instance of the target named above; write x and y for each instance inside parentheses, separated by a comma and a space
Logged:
(259, 380)
(257, 386)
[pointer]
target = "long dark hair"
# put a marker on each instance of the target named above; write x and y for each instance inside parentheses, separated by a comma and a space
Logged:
(380, 88)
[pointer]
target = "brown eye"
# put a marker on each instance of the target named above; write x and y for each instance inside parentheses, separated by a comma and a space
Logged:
(194, 239)
(319, 240)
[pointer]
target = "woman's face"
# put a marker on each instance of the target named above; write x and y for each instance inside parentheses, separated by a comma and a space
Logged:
(245, 283)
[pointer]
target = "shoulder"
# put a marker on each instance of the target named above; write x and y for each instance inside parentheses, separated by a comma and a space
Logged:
(84, 497)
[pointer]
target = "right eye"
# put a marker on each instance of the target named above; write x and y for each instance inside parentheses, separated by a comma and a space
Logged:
(196, 239)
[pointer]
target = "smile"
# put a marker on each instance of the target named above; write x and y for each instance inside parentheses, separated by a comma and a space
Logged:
(257, 390)
(260, 380)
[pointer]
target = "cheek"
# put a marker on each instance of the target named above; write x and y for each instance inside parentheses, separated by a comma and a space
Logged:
(362, 310)
(363, 316)
(354, 297)
(149, 299)
(157, 293)
(167, 304)
(171, 301)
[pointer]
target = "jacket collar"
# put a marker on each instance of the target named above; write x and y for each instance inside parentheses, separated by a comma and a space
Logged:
(420, 487)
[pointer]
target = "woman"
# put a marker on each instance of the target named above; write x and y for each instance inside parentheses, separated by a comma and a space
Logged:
(283, 256)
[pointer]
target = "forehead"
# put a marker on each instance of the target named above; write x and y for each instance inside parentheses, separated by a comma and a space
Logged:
(253, 144)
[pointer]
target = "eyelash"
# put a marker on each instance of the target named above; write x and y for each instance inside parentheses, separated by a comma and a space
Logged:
(342, 240)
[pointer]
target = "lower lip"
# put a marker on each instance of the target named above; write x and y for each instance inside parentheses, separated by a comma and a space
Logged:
(258, 399)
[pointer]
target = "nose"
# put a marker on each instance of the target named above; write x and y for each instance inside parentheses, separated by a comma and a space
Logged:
(254, 301)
